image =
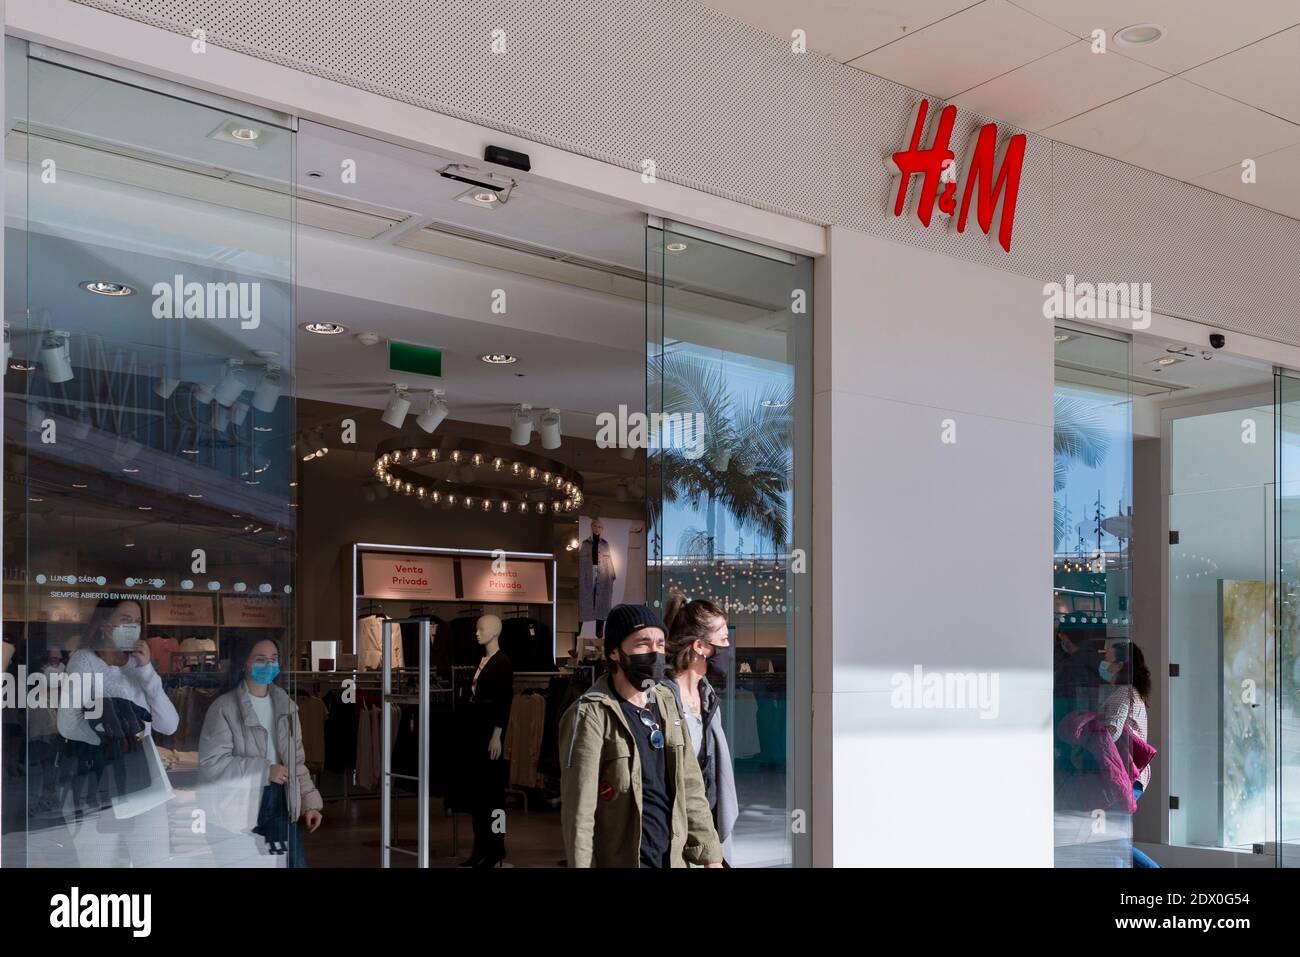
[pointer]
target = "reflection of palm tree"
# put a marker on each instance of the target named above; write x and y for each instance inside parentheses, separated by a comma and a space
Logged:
(1078, 436)
(747, 458)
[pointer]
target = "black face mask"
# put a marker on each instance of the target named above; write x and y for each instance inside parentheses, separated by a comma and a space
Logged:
(643, 671)
(719, 666)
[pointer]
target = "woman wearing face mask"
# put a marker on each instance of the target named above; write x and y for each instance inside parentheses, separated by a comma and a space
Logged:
(123, 696)
(253, 773)
(699, 649)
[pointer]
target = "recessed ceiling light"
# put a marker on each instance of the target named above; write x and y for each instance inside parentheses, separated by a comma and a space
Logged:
(263, 428)
(325, 328)
(79, 485)
(1139, 35)
(194, 495)
(252, 482)
(1168, 360)
(676, 247)
(293, 485)
(189, 451)
(131, 470)
(1063, 337)
(103, 287)
(145, 508)
(483, 197)
(498, 359)
(238, 132)
(35, 499)
(22, 365)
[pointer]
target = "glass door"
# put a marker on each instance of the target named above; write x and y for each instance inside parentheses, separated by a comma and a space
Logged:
(729, 384)
(1287, 601)
(149, 479)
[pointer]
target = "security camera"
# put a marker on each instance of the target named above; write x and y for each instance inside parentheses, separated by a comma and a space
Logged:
(1218, 340)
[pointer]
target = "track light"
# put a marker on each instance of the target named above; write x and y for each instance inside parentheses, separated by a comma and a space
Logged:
(56, 357)
(232, 384)
(521, 425)
(268, 390)
(549, 427)
(399, 403)
(434, 413)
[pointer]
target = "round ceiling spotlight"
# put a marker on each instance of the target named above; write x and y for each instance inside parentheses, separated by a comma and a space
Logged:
(245, 134)
(102, 287)
(325, 328)
(676, 247)
(1140, 35)
(486, 197)
(22, 365)
(498, 359)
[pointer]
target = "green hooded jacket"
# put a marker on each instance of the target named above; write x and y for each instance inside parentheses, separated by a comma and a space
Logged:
(600, 785)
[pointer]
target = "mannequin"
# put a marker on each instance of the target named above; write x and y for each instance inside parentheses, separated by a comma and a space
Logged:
(595, 578)
(492, 690)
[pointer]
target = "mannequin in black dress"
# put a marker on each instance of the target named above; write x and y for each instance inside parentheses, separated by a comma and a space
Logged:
(493, 689)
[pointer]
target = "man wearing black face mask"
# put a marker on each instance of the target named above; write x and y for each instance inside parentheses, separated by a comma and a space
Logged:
(630, 788)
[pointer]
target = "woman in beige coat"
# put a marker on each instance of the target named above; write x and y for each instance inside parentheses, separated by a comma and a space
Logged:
(253, 780)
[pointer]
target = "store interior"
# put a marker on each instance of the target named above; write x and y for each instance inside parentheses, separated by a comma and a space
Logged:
(1172, 513)
(404, 424)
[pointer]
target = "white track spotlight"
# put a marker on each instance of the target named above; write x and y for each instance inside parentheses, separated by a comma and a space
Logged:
(165, 386)
(56, 358)
(549, 427)
(434, 412)
(521, 425)
(239, 412)
(268, 390)
(399, 403)
(232, 384)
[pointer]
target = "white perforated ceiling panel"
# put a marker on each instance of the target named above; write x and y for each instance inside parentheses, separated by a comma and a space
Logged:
(724, 108)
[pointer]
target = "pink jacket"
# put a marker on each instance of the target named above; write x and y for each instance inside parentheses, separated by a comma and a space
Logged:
(1120, 767)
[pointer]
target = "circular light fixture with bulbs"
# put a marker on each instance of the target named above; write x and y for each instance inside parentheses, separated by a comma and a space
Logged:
(498, 359)
(502, 480)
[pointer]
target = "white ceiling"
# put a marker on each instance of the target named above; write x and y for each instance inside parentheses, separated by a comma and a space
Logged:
(1222, 86)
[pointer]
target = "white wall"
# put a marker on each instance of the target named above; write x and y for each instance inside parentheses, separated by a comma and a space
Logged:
(937, 556)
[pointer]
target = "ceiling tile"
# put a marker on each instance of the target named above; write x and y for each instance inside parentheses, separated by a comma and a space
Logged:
(965, 50)
(1276, 186)
(1198, 30)
(1177, 128)
(1265, 74)
(1057, 87)
(841, 29)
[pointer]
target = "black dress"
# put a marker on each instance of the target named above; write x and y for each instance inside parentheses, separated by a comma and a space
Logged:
(489, 709)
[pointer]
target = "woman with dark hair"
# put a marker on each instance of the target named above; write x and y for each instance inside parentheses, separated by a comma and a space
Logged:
(254, 782)
(123, 698)
(1125, 711)
(698, 648)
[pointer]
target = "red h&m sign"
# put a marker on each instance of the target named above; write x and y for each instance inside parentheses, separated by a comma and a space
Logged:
(992, 175)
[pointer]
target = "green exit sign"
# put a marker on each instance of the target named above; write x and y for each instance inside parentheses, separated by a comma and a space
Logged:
(419, 360)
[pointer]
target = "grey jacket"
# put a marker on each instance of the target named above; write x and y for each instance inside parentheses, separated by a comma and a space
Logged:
(233, 765)
(595, 582)
(715, 757)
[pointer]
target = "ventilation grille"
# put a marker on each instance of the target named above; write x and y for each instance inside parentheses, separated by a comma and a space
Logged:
(726, 109)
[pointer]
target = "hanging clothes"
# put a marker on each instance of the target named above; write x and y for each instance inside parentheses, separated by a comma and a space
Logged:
(635, 569)
(528, 643)
(311, 717)
(370, 643)
(595, 580)
(524, 739)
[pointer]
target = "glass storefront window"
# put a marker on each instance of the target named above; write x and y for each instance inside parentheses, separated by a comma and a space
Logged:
(730, 506)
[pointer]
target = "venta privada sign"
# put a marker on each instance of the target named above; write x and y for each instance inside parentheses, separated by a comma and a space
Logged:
(991, 178)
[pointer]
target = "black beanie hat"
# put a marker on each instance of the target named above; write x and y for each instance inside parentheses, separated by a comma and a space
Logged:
(625, 619)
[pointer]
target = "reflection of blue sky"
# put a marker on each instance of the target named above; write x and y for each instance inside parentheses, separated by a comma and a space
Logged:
(1111, 479)
(749, 380)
